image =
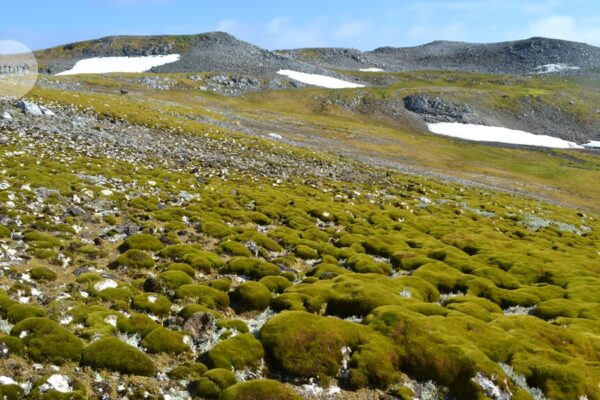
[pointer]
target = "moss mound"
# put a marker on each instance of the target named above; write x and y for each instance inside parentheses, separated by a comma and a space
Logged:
(135, 259)
(142, 242)
(112, 354)
(42, 274)
(203, 294)
(153, 303)
(306, 345)
(47, 341)
(173, 279)
(212, 383)
(19, 312)
(250, 296)
(263, 389)
(238, 352)
(163, 340)
(254, 268)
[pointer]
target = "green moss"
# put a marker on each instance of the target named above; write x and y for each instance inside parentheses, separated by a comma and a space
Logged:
(114, 355)
(12, 392)
(183, 267)
(327, 271)
(306, 345)
(78, 390)
(163, 340)
(264, 389)
(215, 229)
(239, 352)
(88, 277)
(118, 296)
(42, 274)
(140, 324)
(205, 295)
(174, 279)
(276, 284)
(187, 371)
(153, 303)
(200, 260)
(250, 296)
(234, 324)
(408, 261)
(4, 232)
(212, 383)
(235, 249)
(252, 267)
(135, 259)
(13, 344)
(192, 309)
(500, 278)
(142, 242)
(306, 252)
(47, 341)
(19, 312)
(555, 308)
(222, 284)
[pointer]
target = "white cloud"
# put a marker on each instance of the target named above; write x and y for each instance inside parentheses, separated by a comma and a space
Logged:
(351, 29)
(566, 27)
(425, 33)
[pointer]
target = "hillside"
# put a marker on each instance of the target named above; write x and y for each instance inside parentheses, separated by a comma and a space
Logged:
(194, 232)
(214, 51)
(523, 57)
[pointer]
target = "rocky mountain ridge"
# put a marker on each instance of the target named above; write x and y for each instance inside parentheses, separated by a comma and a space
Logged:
(219, 51)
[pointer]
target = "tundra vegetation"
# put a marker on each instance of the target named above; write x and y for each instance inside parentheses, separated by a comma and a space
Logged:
(138, 273)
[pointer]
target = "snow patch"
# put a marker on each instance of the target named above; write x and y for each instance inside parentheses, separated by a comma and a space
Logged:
(372, 69)
(554, 68)
(319, 80)
(592, 144)
(482, 133)
(105, 65)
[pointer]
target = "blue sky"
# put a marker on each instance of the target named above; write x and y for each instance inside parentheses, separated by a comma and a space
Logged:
(278, 24)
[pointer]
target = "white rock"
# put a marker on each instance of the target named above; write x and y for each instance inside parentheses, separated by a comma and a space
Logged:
(60, 383)
(111, 320)
(5, 380)
(105, 284)
(6, 115)
(106, 192)
(29, 108)
(275, 136)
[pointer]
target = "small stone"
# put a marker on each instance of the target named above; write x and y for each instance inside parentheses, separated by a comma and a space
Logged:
(200, 325)
(6, 115)
(29, 108)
